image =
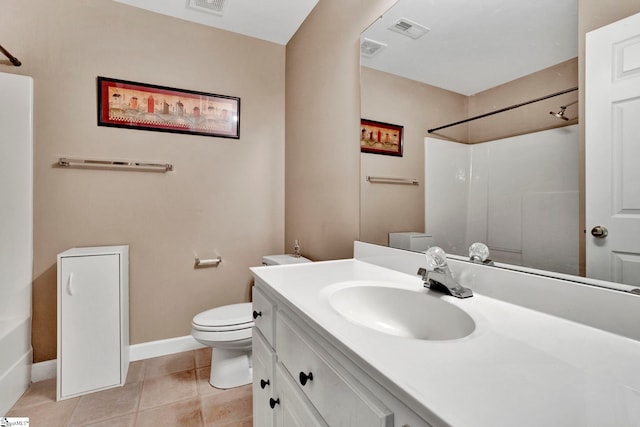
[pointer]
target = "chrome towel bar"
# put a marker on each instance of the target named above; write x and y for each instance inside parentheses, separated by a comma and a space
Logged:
(390, 180)
(114, 165)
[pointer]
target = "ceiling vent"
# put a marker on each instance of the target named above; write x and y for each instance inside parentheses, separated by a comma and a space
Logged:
(370, 48)
(215, 7)
(409, 28)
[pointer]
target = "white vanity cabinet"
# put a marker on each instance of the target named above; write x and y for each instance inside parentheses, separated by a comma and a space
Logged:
(312, 383)
(93, 319)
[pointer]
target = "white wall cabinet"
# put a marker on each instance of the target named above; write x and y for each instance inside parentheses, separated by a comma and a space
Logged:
(93, 319)
(307, 381)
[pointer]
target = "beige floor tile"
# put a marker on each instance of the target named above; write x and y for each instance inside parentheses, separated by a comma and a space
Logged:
(135, 374)
(107, 404)
(204, 387)
(168, 364)
(48, 414)
(123, 421)
(246, 422)
(168, 389)
(227, 409)
(203, 357)
(37, 393)
(185, 413)
(183, 397)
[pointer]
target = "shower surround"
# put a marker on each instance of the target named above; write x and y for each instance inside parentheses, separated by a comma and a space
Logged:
(519, 195)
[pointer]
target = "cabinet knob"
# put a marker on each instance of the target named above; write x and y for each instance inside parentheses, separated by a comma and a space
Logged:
(256, 314)
(305, 377)
(273, 402)
(264, 383)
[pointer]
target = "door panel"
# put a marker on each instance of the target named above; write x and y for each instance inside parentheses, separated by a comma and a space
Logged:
(612, 150)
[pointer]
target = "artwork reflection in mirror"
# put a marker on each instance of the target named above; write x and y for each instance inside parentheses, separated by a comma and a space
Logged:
(509, 180)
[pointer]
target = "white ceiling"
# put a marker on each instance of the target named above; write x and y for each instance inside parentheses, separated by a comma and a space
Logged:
(474, 45)
(273, 20)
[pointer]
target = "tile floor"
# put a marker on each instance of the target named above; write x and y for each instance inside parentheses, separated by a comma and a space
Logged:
(170, 390)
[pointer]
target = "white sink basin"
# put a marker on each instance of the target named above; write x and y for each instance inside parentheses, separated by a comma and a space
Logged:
(400, 312)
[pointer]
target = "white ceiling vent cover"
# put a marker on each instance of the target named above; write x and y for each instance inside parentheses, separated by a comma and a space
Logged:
(370, 48)
(409, 28)
(215, 7)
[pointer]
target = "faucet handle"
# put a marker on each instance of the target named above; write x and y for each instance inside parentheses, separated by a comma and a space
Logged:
(479, 252)
(436, 258)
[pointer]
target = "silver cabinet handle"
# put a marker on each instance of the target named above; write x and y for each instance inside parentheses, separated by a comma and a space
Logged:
(599, 232)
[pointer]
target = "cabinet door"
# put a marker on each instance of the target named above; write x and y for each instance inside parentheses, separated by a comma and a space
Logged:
(293, 408)
(89, 325)
(263, 381)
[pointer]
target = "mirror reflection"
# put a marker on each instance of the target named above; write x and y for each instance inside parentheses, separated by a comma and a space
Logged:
(510, 179)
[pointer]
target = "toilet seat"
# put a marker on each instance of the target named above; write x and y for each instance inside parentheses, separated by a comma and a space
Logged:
(232, 317)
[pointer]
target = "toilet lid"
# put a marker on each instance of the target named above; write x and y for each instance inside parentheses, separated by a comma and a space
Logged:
(228, 315)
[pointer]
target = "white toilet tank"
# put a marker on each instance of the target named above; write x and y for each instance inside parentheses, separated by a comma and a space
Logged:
(283, 259)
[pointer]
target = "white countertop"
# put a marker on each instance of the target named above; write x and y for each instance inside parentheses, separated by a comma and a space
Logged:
(518, 368)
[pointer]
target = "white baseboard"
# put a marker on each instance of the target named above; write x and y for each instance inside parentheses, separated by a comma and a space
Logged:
(151, 349)
(45, 370)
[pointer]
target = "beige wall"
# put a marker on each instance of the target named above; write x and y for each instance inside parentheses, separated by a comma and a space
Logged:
(529, 118)
(386, 208)
(225, 196)
(322, 128)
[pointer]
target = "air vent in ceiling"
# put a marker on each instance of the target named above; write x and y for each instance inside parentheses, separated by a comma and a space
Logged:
(215, 7)
(370, 48)
(409, 28)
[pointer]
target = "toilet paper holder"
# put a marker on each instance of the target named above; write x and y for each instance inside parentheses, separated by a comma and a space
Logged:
(211, 262)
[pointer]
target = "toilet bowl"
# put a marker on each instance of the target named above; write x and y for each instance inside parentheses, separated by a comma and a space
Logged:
(228, 331)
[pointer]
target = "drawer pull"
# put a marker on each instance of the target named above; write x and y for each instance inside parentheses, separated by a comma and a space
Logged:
(273, 402)
(256, 314)
(305, 377)
(264, 383)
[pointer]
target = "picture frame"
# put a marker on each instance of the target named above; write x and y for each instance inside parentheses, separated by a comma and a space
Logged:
(381, 138)
(133, 105)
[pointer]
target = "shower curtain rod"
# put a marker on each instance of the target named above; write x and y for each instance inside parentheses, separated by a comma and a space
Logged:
(12, 58)
(542, 98)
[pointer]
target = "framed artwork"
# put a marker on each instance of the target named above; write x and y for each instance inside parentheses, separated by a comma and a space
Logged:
(132, 105)
(380, 138)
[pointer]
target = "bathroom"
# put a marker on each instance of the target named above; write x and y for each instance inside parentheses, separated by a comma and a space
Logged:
(282, 166)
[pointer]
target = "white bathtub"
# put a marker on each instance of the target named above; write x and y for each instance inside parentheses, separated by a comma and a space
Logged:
(16, 229)
(15, 360)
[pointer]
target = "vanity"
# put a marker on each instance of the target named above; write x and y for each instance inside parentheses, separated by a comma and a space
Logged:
(361, 342)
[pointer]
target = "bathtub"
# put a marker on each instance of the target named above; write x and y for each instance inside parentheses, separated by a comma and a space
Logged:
(15, 360)
(16, 229)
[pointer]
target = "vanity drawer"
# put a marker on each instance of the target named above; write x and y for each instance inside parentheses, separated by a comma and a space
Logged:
(337, 396)
(263, 314)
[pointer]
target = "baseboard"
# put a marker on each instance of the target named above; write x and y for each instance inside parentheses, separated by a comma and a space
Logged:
(43, 370)
(46, 370)
(151, 349)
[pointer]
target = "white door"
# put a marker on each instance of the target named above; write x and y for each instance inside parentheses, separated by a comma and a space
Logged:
(612, 151)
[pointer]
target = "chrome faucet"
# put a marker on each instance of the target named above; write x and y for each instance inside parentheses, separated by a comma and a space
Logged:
(437, 276)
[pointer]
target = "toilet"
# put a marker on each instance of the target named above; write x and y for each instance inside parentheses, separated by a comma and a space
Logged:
(228, 331)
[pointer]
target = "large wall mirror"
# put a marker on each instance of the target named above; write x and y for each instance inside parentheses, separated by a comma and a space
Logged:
(510, 179)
